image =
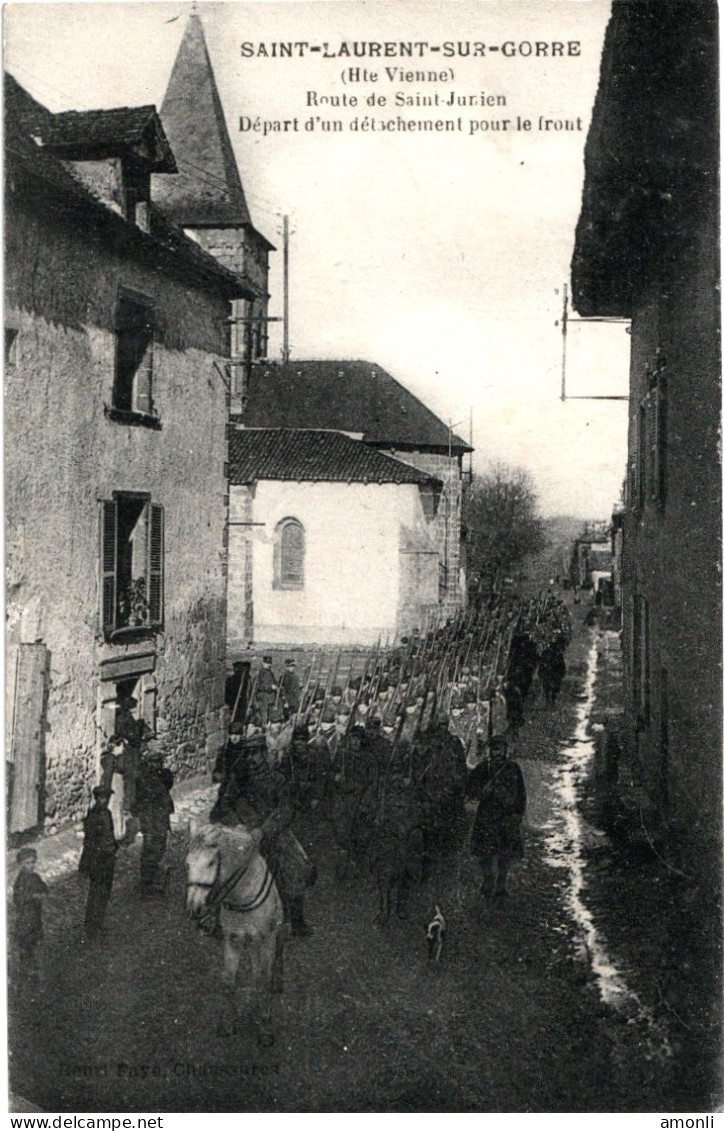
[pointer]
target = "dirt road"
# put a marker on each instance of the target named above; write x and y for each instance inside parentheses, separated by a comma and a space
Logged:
(513, 1022)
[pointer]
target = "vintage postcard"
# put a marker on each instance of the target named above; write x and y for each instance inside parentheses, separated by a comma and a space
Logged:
(362, 548)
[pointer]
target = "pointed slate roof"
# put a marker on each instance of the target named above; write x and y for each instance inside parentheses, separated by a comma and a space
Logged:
(207, 189)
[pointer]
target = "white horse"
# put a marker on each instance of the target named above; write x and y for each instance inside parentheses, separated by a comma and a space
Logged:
(227, 877)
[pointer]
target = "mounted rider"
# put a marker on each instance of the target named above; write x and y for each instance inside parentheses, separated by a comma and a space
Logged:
(256, 794)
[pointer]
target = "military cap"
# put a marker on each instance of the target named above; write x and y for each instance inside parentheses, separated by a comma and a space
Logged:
(101, 791)
(26, 853)
(328, 715)
(128, 700)
(266, 660)
(355, 682)
(276, 715)
(336, 690)
(301, 730)
(319, 695)
(290, 663)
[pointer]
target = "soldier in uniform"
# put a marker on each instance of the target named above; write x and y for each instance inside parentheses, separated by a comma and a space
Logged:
(257, 795)
(278, 736)
(498, 787)
(153, 807)
(134, 732)
(98, 860)
(265, 693)
(291, 690)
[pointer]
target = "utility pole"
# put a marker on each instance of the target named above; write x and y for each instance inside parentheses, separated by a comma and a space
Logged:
(285, 346)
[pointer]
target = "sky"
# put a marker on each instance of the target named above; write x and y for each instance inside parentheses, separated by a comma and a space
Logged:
(439, 255)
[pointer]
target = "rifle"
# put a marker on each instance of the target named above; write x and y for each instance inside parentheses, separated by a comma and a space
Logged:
(358, 696)
(250, 703)
(324, 701)
(303, 696)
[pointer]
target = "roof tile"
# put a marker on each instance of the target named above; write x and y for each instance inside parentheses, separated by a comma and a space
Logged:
(314, 454)
(349, 396)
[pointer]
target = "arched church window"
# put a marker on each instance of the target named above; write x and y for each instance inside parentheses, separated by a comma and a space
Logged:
(289, 549)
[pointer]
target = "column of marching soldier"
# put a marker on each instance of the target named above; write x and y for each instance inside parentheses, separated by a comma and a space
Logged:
(386, 755)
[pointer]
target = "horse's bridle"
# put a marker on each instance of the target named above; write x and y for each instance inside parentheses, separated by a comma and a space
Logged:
(218, 892)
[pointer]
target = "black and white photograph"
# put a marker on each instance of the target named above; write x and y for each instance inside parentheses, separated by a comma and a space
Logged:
(363, 502)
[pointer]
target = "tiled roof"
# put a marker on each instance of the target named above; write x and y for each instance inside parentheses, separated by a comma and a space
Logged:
(34, 173)
(317, 455)
(107, 131)
(207, 189)
(349, 396)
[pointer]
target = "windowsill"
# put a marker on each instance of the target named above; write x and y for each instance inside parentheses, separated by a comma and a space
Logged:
(132, 632)
(128, 416)
(288, 587)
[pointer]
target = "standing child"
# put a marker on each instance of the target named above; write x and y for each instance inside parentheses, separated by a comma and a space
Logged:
(28, 894)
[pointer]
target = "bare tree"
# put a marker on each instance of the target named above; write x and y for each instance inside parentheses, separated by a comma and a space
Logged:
(502, 519)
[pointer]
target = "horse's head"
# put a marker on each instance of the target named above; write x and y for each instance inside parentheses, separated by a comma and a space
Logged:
(214, 853)
(203, 866)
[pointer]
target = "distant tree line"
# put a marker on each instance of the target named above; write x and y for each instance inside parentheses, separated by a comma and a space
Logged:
(502, 521)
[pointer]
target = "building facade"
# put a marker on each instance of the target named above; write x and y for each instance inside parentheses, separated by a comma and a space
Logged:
(116, 495)
(330, 541)
(647, 249)
(362, 400)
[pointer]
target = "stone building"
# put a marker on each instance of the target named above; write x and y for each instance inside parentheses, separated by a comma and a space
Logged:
(364, 401)
(116, 409)
(330, 540)
(647, 248)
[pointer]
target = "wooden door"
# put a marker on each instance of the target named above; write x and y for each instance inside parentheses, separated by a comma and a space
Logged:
(28, 737)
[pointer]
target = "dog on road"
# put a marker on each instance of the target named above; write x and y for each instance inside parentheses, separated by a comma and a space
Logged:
(435, 935)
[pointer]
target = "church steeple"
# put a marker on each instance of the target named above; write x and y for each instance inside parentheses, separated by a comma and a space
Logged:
(207, 189)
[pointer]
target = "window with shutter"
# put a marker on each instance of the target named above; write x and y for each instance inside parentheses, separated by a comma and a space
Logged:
(133, 384)
(657, 436)
(641, 455)
(289, 553)
(155, 566)
(131, 564)
(109, 542)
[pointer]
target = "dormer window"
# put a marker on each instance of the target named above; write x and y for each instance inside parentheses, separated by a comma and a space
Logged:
(136, 195)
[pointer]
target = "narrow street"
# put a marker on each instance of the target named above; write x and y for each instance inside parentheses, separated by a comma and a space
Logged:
(531, 1010)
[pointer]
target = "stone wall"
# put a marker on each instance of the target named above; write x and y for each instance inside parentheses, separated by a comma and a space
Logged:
(671, 551)
(365, 546)
(65, 455)
(447, 522)
(241, 251)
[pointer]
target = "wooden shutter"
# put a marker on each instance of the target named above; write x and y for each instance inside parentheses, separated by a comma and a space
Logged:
(155, 565)
(28, 735)
(641, 454)
(109, 564)
(656, 439)
(143, 381)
